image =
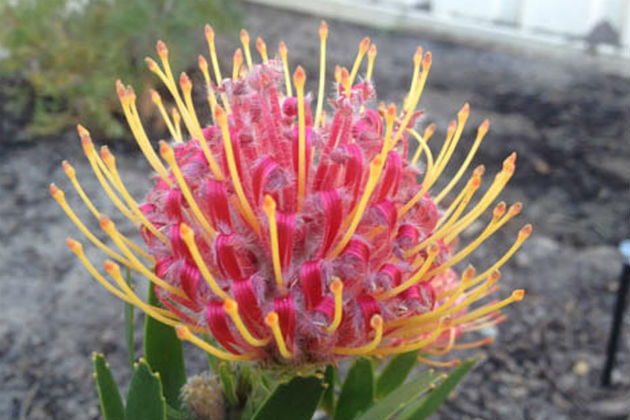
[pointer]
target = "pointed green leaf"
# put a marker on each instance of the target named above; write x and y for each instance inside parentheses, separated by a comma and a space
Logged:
(432, 402)
(295, 400)
(395, 373)
(129, 324)
(385, 408)
(144, 398)
(112, 407)
(357, 392)
(328, 399)
(227, 381)
(163, 352)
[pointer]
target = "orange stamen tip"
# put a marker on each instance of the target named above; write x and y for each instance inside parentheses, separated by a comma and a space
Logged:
(182, 332)
(271, 318)
(161, 49)
(487, 341)
(479, 170)
(511, 158)
(111, 267)
(83, 132)
(219, 113)
(299, 77)
(106, 155)
(372, 51)
(202, 62)
(209, 32)
(376, 321)
(484, 126)
(377, 161)
(184, 81)
(230, 305)
(499, 209)
(469, 272)
(465, 111)
(185, 231)
(391, 111)
(54, 190)
(282, 48)
(323, 29)
(364, 45)
(451, 127)
(475, 182)
(106, 223)
(526, 231)
(516, 208)
(428, 58)
(518, 294)
(260, 44)
(151, 64)
(336, 286)
(155, 97)
(165, 150)
(495, 276)
(120, 89)
(67, 168)
(433, 248)
(74, 246)
(418, 55)
(244, 36)
(428, 132)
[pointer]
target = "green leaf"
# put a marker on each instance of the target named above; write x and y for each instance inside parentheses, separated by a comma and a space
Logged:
(227, 381)
(163, 352)
(357, 392)
(129, 324)
(297, 399)
(112, 407)
(432, 402)
(328, 399)
(384, 409)
(144, 398)
(395, 373)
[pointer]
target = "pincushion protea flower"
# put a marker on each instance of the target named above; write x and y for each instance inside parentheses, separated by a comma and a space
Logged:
(291, 237)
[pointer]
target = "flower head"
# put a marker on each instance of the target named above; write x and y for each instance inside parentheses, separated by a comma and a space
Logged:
(292, 236)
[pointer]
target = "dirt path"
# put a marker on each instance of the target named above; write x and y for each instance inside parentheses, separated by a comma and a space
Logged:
(569, 126)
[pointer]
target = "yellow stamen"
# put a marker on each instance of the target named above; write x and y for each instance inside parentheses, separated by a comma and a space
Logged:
(422, 145)
(282, 50)
(176, 121)
(417, 60)
(371, 56)
(215, 65)
(183, 333)
(237, 63)
(157, 100)
(127, 101)
(169, 156)
(516, 296)
(363, 48)
(269, 206)
(414, 345)
(437, 363)
(272, 321)
(450, 134)
(162, 315)
(376, 322)
(445, 349)
(109, 228)
(477, 173)
(415, 278)
(414, 97)
(262, 49)
(323, 35)
(481, 132)
(245, 43)
(299, 78)
(186, 86)
(375, 169)
(212, 100)
(336, 287)
(345, 81)
(428, 133)
(246, 208)
(231, 307)
(60, 197)
(523, 234)
(110, 162)
(462, 117)
(188, 236)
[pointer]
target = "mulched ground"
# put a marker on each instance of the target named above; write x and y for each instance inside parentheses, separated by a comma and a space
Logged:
(569, 125)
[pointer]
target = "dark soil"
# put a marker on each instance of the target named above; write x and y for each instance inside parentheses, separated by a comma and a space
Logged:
(567, 122)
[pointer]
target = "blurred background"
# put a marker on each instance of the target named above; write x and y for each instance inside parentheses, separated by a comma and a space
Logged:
(552, 77)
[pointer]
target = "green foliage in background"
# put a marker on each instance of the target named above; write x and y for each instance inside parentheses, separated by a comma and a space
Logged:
(70, 52)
